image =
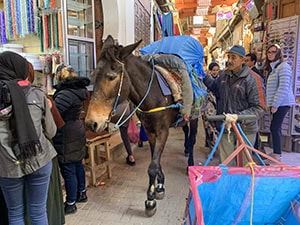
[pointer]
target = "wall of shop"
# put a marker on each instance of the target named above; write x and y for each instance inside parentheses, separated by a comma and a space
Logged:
(118, 18)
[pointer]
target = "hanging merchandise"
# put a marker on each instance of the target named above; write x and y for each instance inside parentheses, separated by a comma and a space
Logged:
(248, 10)
(60, 29)
(50, 29)
(224, 15)
(19, 18)
(3, 39)
(167, 24)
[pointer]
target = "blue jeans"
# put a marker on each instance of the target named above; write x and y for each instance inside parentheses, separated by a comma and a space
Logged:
(37, 188)
(74, 177)
(275, 128)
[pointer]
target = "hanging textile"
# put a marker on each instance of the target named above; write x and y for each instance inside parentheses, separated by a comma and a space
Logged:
(3, 39)
(52, 4)
(167, 24)
(55, 31)
(19, 18)
(60, 31)
(40, 32)
(31, 21)
(45, 32)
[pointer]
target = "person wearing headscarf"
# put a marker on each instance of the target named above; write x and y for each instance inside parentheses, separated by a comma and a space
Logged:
(55, 204)
(70, 140)
(214, 69)
(26, 126)
(211, 132)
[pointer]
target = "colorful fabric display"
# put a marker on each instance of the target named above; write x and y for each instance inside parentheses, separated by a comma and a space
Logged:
(19, 18)
(3, 39)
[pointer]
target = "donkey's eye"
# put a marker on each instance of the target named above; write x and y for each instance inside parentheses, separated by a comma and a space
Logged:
(111, 77)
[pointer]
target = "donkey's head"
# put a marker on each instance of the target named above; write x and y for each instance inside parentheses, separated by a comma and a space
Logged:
(110, 80)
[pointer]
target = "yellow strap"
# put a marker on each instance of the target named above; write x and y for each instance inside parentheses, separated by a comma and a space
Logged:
(153, 110)
(251, 164)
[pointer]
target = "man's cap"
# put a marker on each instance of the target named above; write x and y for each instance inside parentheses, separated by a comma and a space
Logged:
(237, 49)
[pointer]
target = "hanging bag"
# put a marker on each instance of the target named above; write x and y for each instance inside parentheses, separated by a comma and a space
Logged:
(133, 132)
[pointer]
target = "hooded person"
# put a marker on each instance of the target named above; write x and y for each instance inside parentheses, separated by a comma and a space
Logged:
(26, 126)
(70, 140)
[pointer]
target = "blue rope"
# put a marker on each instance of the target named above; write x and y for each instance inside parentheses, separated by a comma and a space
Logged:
(216, 145)
(250, 144)
(174, 106)
(218, 141)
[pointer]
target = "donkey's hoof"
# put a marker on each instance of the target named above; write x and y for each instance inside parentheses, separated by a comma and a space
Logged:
(159, 193)
(150, 207)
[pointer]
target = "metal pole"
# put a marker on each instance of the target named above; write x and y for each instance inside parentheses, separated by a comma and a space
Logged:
(152, 21)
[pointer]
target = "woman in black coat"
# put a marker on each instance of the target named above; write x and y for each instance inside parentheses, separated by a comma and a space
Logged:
(70, 140)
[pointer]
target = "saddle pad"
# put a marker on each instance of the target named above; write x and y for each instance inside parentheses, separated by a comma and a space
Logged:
(164, 87)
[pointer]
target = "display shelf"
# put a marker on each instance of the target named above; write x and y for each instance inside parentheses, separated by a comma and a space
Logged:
(48, 11)
(77, 22)
(78, 6)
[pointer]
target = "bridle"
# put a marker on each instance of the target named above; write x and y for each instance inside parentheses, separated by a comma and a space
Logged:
(113, 112)
(137, 108)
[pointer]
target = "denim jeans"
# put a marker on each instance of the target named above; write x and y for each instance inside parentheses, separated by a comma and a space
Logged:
(74, 177)
(275, 128)
(36, 197)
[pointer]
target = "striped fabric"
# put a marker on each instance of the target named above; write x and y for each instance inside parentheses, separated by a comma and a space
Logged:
(280, 86)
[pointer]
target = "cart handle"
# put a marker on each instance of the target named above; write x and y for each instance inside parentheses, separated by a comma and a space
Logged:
(222, 117)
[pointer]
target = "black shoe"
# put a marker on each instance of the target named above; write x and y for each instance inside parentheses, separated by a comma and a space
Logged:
(130, 163)
(140, 144)
(82, 197)
(70, 209)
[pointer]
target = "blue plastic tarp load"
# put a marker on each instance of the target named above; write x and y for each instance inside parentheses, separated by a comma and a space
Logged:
(188, 49)
(222, 195)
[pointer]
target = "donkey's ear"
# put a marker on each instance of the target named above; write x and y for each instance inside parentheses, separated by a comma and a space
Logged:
(127, 50)
(109, 42)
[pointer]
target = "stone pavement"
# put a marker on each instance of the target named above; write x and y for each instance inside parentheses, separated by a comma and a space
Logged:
(121, 200)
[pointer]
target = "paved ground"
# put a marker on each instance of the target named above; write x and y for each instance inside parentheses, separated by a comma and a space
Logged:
(121, 200)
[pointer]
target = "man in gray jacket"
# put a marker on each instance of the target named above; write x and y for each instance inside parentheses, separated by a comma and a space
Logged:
(240, 92)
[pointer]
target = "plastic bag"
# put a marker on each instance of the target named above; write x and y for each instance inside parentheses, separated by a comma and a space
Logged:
(133, 132)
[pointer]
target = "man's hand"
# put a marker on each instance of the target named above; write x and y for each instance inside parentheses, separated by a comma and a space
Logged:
(186, 117)
(230, 118)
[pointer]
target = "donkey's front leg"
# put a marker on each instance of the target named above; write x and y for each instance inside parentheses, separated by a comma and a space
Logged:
(157, 143)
